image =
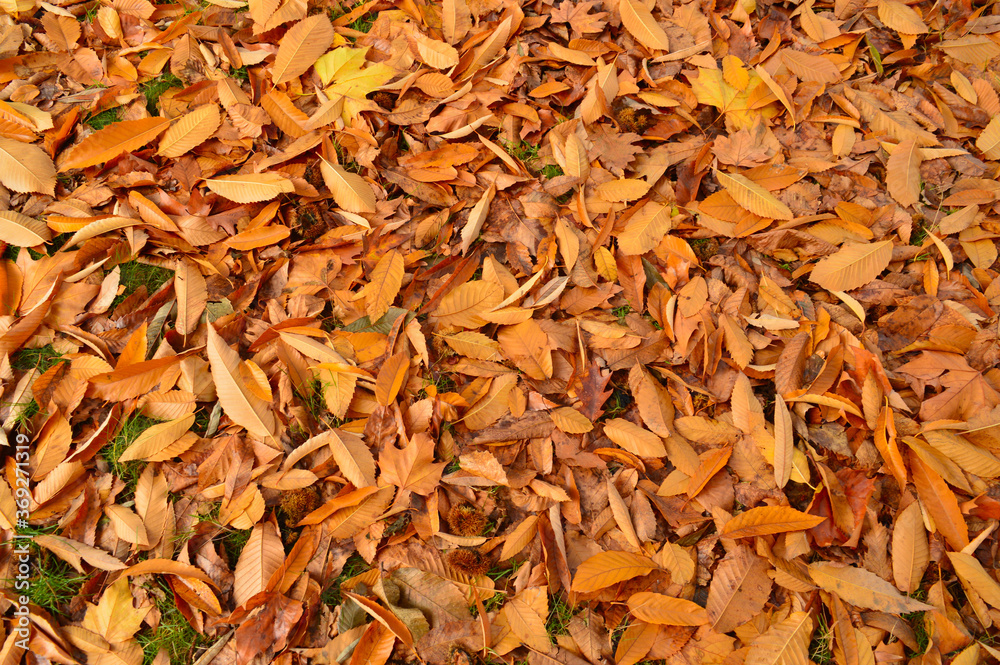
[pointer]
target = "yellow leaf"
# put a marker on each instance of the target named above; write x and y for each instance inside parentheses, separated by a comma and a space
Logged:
(752, 196)
(526, 614)
(974, 576)
(634, 439)
(238, 401)
(784, 643)
(704, 430)
(434, 53)
(519, 538)
(477, 216)
(474, 345)
(127, 525)
(301, 47)
(605, 264)
(640, 23)
(104, 145)
(190, 131)
(666, 610)
(384, 285)
(607, 568)
(99, 227)
(622, 190)
(636, 642)
(261, 556)
(736, 341)
(863, 589)
(853, 266)
(251, 187)
(492, 405)
(350, 191)
(73, 552)
(22, 231)
(156, 438)
(900, 17)
(114, 617)
(784, 445)
(192, 294)
(391, 377)
(571, 421)
(527, 345)
(988, 142)
(463, 305)
(809, 67)
(645, 229)
(768, 520)
(26, 168)
(910, 550)
(903, 173)
(972, 50)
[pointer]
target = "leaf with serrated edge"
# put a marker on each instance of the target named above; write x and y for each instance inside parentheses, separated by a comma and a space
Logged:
(640, 23)
(784, 643)
(237, 400)
(607, 568)
(261, 556)
(853, 266)
(251, 187)
(190, 131)
(666, 610)
(106, 144)
(974, 576)
(301, 47)
(22, 231)
(26, 168)
(645, 229)
(740, 587)
(752, 196)
(636, 440)
(863, 589)
(383, 285)
(903, 173)
(349, 190)
(768, 520)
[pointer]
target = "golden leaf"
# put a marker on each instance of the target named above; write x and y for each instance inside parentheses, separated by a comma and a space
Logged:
(474, 345)
(251, 187)
(974, 576)
(622, 190)
(73, 552)
(463, 305)
(391, 377)
(571, 421)
(350, 191)
(863, 589)
(736, 341)
(645, 229)
(752, 196)
(383, 286)
(634, 439)
(527, 345)
(666, 610)
(192, 294)
(853, 266)
(114, 617)
(636, 642)
(607, 568)
(740, 587)
(492, 405)
(190, 131)
(640, 23)
(910, 550)
(784, 643)
(768, 520)
(301, 47)
(22, 231)
(261, 556)
(903, 173)
(237, 400)
(105, 144)
(900, 17)
(434, 53)
(155, 439)
(972, 50)
(784, 444)
(26, 168)
(477, 216)
(810, 67)
(988, 142)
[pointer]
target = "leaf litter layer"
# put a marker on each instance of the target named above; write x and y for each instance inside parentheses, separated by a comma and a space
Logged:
(485, 331)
